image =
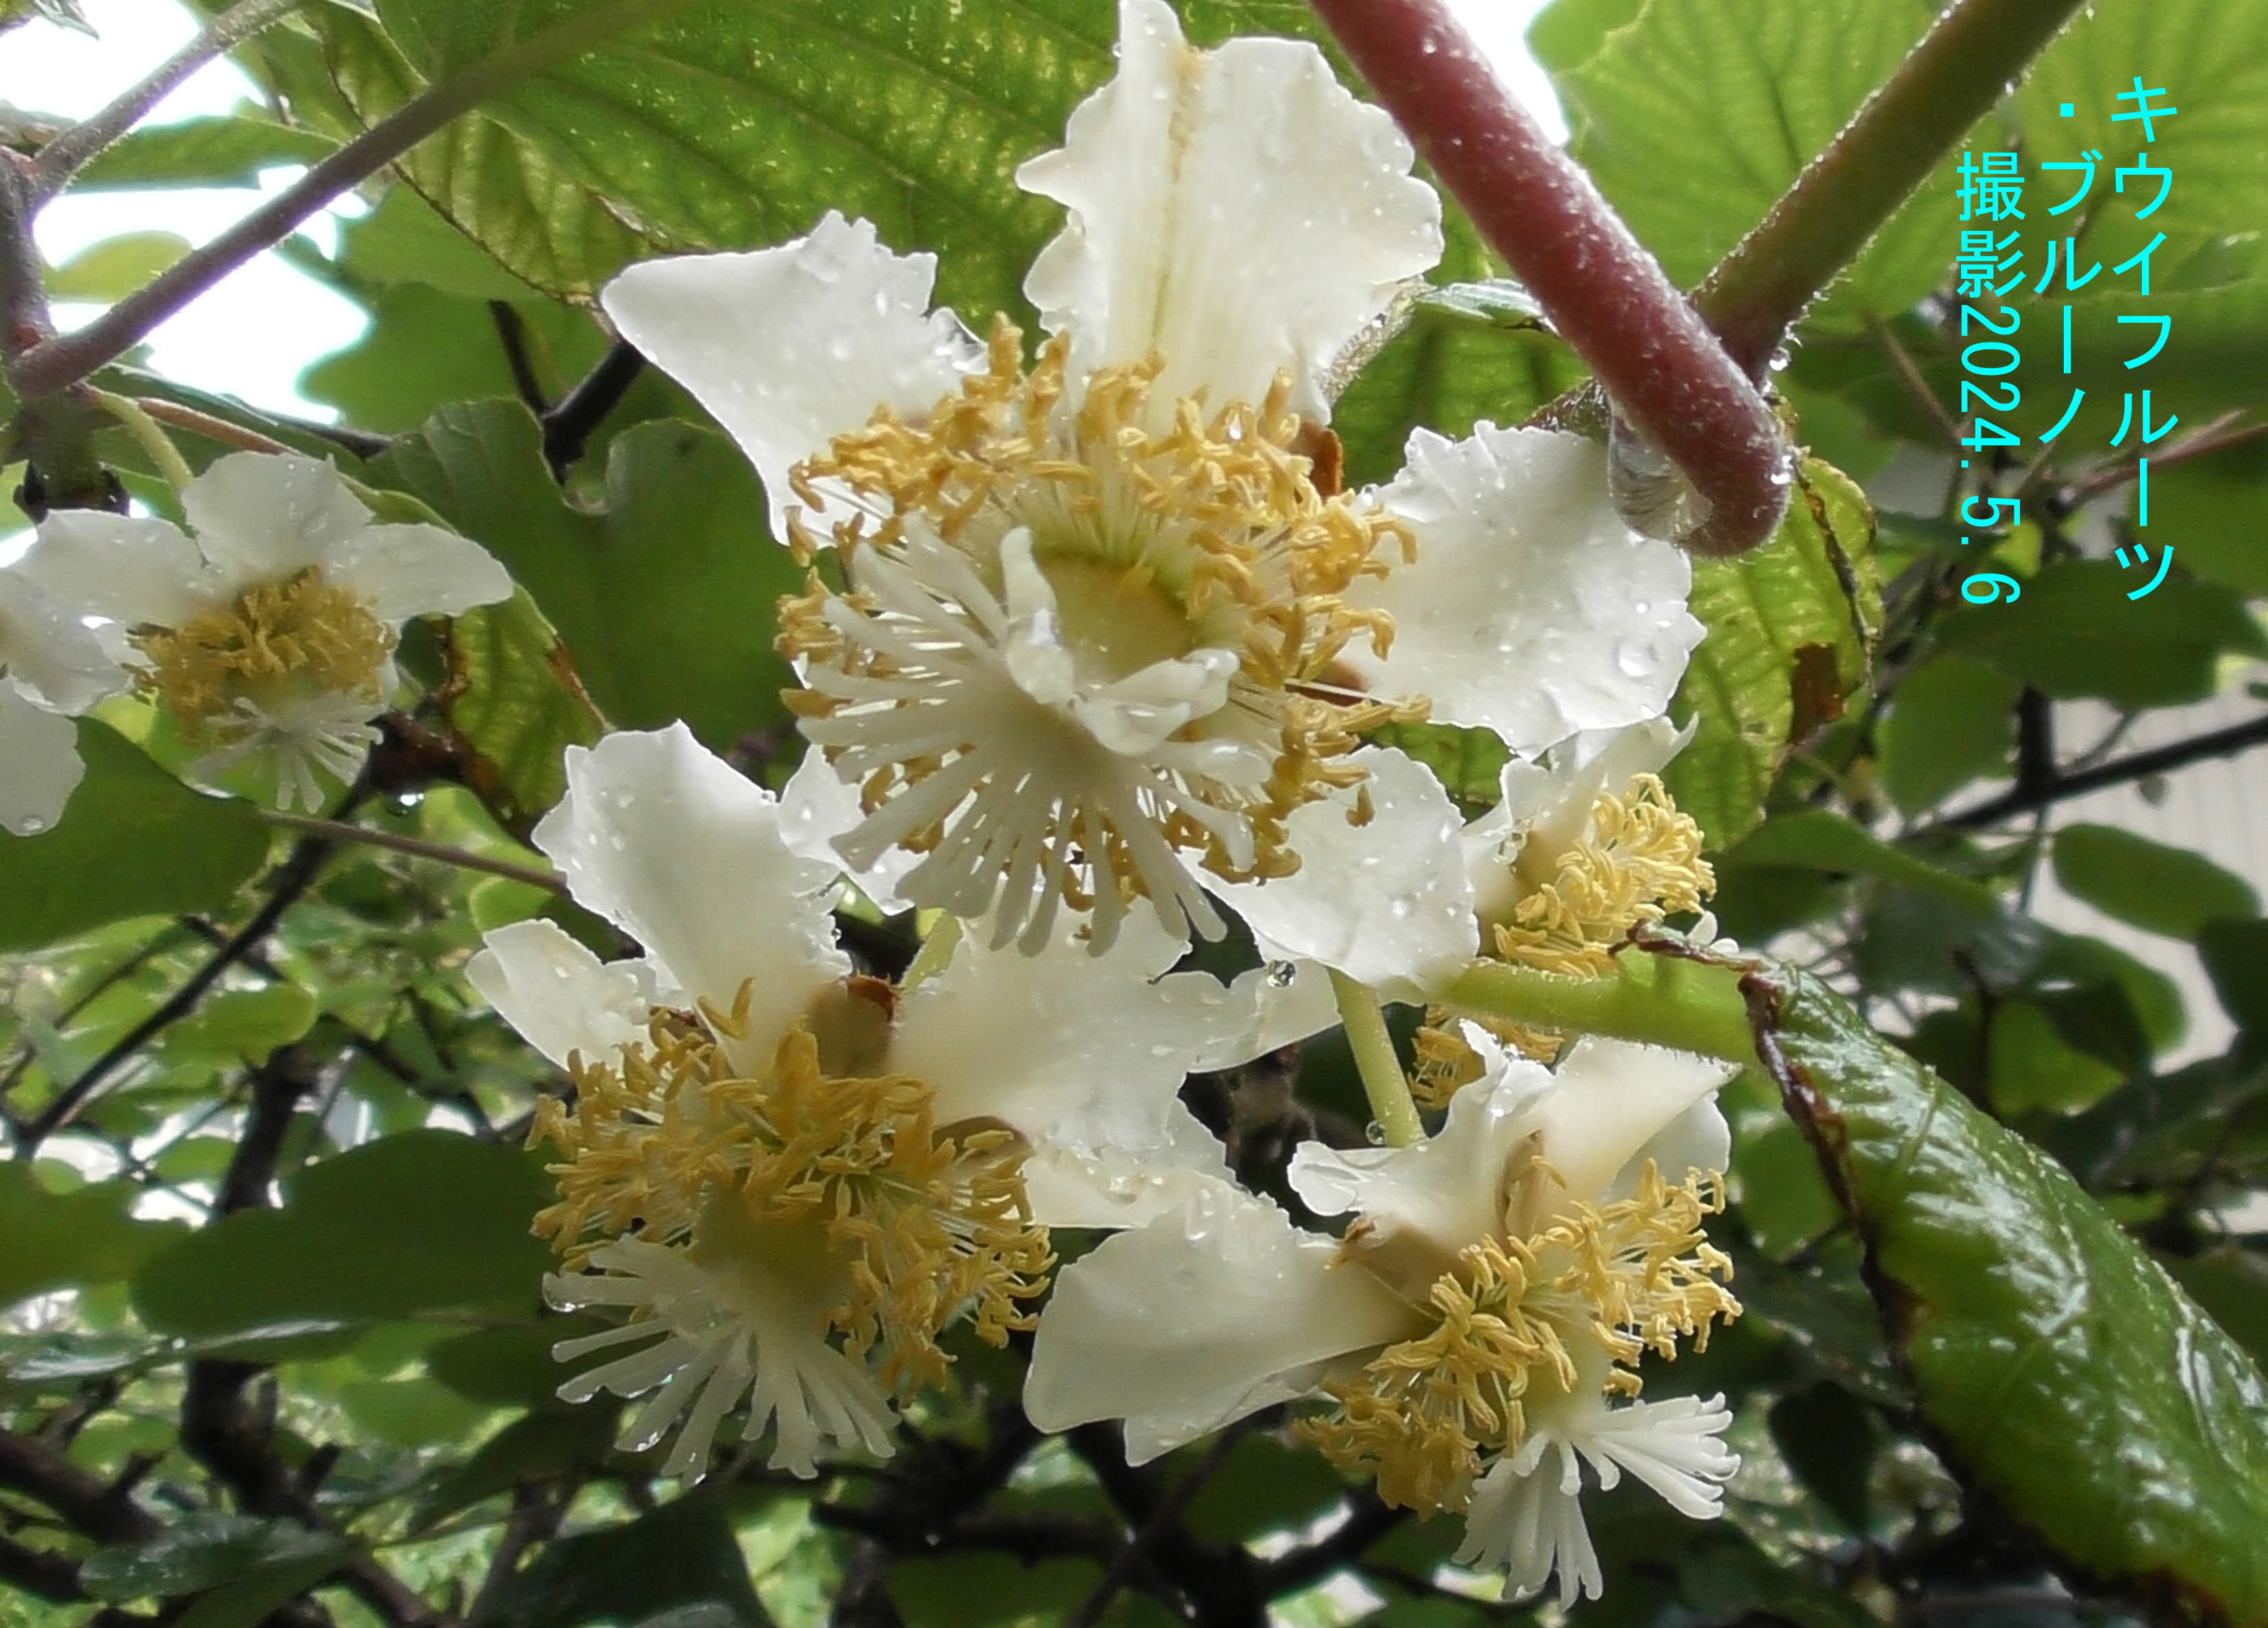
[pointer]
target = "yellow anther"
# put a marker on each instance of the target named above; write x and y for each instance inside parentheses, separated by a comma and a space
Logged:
(279, 642)
(921, 1227)
(1635, 1275)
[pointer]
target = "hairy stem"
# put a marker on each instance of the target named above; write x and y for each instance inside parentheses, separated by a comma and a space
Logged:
(1655, 999)
(1666, 373)
(1383, 1082)
(68, 153)
(1975, 51)
(64, 360)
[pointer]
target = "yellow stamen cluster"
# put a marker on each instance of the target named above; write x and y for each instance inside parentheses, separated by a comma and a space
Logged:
(921, 1227)
(1210, 533)
(1425, 1415)
(278, 643)
(1641, 861)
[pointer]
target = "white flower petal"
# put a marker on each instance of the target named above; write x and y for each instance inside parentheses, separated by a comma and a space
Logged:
(668, 842)
(560, 996)
(1611, 1099)
(1273, 1006)
(1386, 902)
(1078, 1051)
(127, 568)
(1115, 1188)
(1450, 1186)
(1671, 1446)
(1527, 1521)
(1236, 210)
(1208, 1312)
(401, 572)
(260, 516)
(1545, 806)
(790, 347)
(47, 650)
(725, 1334)
(1532, 610)
(40, 766)
(816, 806)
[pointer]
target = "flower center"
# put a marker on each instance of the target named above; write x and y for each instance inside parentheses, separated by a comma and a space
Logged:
(1077, 645)
(277, 645)
(820, 1189)
(1515, 1320)
(1638, 860)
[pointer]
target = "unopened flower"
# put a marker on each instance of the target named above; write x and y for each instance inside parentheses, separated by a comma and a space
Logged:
(792, 1178)
(52, 669)
(1476, 1331)
(268, 631)
(1107, 621)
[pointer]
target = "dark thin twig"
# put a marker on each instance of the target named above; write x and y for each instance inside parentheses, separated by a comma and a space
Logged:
(1369, 1517)
(511, 333)
(291, 879)
(2135, 766)
(1138, 1547)
(573, 420)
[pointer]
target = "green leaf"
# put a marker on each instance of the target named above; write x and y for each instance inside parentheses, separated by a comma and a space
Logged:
(1817, 839)
(200, 1551)
(1264, 1486)
(225, 149)
(2235, 956)
(1470, 762)
(667, 595)
(682, 1554)
(2051, 1357)
(426, 349)
(242, 1025)
(1745, 92)
(133, 841)
(737, 125)
(1456, 363)
(2148, 885)
(403, 241)
(2032, 1066)
(104, 272)
(2211, 276)
(1809, 589)
(513, 705)
(2074, 633)
(1951, 721)
(1829, 1438)
(70, 1239)
(419, 1224)
(974, 1589)
(2231, 1283)
(2212, 512)
(547, 1442)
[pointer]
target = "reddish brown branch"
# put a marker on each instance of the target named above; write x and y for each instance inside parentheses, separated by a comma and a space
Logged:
(1666, 373)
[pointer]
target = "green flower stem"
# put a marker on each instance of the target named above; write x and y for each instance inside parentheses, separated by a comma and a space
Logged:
(1374, 1058)
(1970, 58)
(1666, 372)
(64, 360)
(148, 436)
(1658, 999)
